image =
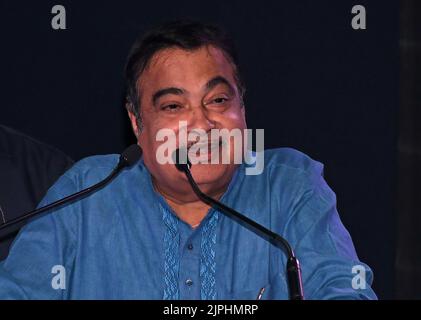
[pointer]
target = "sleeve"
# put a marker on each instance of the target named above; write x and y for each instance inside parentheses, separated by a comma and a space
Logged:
(40, 261)
(330, 266)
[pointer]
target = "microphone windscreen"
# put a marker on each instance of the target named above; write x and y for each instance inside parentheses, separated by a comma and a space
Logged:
(181, 159)
(131, 155)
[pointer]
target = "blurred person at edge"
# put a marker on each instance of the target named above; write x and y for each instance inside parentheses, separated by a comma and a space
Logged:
(27, 169)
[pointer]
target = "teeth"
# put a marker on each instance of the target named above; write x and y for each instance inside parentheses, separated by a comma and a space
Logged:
(212, 144)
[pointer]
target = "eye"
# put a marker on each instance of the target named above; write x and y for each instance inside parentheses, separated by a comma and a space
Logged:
(171, 107)
(219, 100)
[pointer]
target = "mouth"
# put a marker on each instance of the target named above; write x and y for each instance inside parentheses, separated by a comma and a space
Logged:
(211, 144)
(204, 151)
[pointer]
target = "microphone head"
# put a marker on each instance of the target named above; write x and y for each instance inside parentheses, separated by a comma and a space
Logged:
(181, 159)
(130, 156)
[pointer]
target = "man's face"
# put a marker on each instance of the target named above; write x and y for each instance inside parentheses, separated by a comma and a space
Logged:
(197, 87)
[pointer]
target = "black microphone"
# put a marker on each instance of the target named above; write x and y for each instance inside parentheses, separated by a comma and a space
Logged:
(127, 158)
(293, 266)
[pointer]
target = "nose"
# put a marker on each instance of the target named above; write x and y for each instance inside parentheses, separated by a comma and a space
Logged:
(201, 119)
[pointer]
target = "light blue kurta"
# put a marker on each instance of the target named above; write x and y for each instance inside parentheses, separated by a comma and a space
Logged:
(125, 242)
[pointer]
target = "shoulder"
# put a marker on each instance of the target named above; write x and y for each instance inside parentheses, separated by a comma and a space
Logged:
(91, 169)
(299, 176)
(84, 173)
(292, 160)
(15, 144)
(29, 168)
(106, 161)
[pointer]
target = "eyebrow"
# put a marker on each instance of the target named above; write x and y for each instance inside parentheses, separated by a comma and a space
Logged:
(162, 92)
(219, 80)
(179, 91)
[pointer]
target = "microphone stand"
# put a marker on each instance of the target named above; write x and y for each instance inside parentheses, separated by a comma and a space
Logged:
(127, 158)
(293, 266)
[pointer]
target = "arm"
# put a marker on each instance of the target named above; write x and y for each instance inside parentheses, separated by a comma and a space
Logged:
(325, 249)
(46, 242)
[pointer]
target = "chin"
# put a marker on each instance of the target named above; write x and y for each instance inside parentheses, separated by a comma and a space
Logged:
(213, 174)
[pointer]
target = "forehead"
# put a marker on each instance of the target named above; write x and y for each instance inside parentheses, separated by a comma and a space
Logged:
(181, 68)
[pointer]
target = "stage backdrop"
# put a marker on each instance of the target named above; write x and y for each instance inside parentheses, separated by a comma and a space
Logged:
(314, 83)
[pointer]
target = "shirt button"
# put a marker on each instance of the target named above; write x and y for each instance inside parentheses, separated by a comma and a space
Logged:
(189, 282)
(190, 246)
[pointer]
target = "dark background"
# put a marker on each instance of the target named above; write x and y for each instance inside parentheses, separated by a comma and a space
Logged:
(313, 83)
(408, 255)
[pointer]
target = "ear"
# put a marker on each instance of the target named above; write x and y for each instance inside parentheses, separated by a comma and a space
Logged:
(133, 121)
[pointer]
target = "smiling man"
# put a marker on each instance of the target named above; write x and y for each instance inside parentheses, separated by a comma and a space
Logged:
(147, 236)
(197, 86)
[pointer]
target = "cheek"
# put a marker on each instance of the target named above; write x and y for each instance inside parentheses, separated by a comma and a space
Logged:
(233, 120)
(147, 141)
(159, 141)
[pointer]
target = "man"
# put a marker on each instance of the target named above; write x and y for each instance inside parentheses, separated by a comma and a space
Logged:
(27, 169)
(147, 236)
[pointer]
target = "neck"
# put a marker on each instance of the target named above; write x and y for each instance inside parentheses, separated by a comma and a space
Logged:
(192, 212)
